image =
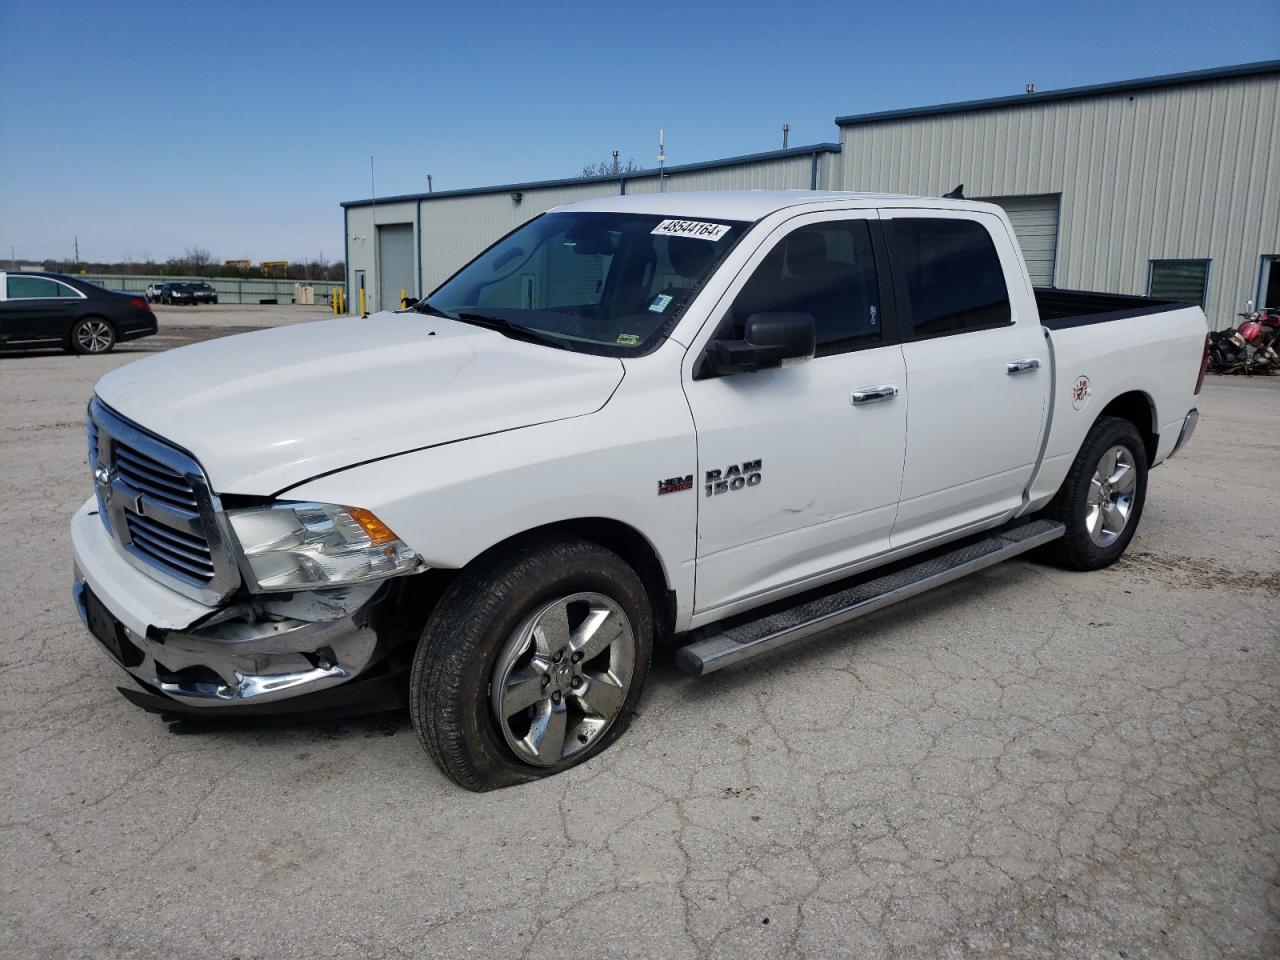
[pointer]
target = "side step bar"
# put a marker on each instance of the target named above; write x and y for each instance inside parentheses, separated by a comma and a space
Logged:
(774, 630)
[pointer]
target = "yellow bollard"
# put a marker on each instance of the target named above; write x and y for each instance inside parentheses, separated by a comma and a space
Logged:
(363, 311)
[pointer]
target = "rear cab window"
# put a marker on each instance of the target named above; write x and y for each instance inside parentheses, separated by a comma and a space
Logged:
(949, 273)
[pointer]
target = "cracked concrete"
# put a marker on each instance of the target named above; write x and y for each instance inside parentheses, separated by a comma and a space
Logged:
(1032, 763)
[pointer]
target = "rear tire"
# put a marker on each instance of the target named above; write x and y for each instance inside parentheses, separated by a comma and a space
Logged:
(92, 335)
(562, 630)
(1101, 500)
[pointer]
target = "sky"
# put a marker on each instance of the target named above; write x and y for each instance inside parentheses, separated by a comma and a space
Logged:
(144, 128)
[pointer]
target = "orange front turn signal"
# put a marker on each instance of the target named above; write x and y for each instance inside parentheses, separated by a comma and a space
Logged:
(378, 531)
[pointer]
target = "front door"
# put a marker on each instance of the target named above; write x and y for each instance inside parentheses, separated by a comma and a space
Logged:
(978, 366)
(800, 466)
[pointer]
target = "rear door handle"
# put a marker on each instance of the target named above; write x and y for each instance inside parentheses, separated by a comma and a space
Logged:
(1022, 366)
(873, 394)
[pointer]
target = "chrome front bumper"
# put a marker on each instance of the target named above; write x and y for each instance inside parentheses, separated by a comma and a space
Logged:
(236, 663)
(216, 657)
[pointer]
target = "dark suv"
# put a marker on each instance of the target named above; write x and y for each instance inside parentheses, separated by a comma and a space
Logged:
(203, 293)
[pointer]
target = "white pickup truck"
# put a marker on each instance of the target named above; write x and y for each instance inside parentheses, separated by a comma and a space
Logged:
(723, 421)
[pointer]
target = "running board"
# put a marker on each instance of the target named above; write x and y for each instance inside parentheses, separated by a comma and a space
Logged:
(777, 629)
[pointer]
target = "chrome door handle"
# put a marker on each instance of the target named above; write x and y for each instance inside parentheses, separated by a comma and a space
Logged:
(873, 394)
(1022, 366)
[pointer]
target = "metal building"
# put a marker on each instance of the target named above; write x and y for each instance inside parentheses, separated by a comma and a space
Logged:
(423, 238)
(1166, 185)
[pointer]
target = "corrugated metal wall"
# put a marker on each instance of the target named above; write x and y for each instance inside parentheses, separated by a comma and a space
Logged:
(1183, 172)
(229, 289)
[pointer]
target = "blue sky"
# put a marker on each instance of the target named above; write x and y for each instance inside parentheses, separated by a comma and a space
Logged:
(147, 127)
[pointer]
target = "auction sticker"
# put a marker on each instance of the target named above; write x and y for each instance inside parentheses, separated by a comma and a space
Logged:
(699, 229)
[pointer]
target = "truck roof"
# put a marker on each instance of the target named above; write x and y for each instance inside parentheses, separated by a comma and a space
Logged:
(754, 204)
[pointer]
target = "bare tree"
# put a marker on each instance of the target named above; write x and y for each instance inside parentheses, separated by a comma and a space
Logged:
(611, 168)
(198, 258)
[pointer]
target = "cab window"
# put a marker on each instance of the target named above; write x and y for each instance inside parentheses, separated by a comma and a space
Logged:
(828, 271)
(952, 275)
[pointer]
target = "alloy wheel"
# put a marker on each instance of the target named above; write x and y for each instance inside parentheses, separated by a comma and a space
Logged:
(94, 336)
(562, 677)
(1109, 503)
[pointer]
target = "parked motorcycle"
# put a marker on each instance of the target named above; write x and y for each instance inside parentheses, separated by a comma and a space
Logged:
(1251, 348)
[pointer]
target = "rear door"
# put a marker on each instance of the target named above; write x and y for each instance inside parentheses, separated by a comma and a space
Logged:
(37, 309)
(977, 370)
(796, 480)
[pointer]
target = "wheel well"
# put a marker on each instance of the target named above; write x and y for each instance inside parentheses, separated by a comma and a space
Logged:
(633, 547)
(1136, 407)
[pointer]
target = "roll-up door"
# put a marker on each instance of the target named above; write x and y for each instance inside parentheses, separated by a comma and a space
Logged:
(395, 264)
(1035, 222)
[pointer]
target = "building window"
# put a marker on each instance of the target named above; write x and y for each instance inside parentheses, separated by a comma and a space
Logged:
(1182, 280)
(1269, 285)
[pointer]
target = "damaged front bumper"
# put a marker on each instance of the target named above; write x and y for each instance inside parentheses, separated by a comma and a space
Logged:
(191, 658)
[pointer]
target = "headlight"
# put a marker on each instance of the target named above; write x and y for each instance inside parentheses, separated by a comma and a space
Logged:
(301, 546)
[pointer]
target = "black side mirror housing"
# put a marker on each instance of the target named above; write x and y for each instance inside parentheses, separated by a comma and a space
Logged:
(767, 340)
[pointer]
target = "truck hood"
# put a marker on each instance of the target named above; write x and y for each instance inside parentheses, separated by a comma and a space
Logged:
(264, 411)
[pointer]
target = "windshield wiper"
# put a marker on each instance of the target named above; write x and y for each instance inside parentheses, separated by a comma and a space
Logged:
(508, 329)
(423, 307)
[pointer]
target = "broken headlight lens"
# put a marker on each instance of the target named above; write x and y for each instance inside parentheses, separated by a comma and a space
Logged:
(304, 546)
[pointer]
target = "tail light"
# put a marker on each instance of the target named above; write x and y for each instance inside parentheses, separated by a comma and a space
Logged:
(139, 304)
(1204, 365)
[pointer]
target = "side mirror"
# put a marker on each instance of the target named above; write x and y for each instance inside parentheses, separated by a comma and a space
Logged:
(767, 340)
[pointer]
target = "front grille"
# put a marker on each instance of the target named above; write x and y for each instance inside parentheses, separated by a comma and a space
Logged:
(156, 504)
(168, 547)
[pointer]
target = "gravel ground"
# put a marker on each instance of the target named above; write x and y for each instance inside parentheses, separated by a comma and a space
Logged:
(1030, 763)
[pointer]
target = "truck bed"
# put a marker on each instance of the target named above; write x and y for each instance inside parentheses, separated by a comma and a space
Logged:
(1060, 309)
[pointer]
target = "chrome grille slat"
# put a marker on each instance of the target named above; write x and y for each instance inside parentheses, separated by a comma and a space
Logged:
(179, 538)
(127, 461)
(191, 561)
(155, 501)
(145, 486)
(172, 488)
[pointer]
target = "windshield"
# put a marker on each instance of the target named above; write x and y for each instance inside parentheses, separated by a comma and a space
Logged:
(611, 283)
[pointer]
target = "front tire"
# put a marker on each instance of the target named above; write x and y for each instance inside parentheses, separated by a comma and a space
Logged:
(1101, 500)
(531, 663)
(93, 335)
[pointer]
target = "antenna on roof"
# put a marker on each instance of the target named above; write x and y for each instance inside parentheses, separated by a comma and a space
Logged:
(956, 194)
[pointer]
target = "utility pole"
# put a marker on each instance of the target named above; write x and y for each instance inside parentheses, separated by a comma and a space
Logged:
(77, 242)
(662, 161)
(786, 131)
(616, 167)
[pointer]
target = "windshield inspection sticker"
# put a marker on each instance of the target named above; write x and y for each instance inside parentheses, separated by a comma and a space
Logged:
(690, 228)
(628, 339)
(660, 303)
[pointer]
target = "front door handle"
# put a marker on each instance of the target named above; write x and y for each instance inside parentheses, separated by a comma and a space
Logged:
(873, 394)
(1015, 367)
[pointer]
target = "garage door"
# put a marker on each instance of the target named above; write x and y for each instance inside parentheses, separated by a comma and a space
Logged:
(1035, 222)
(395, 263)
